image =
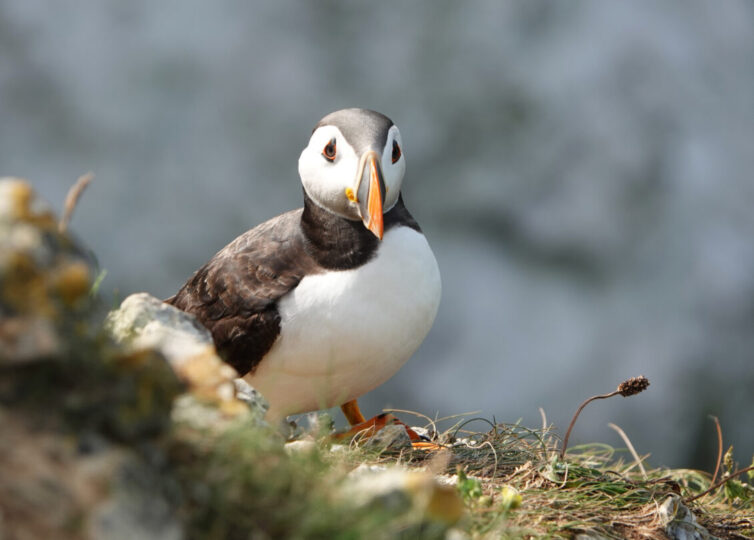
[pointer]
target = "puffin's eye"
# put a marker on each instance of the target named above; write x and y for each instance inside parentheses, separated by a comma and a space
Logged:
(396, 151)
(329, 151)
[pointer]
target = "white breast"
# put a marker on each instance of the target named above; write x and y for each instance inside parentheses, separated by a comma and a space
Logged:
(344, 333)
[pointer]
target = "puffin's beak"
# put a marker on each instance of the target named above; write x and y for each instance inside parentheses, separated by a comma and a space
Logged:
(371, 193)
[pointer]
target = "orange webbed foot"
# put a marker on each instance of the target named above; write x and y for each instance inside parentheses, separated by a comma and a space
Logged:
(367, 428)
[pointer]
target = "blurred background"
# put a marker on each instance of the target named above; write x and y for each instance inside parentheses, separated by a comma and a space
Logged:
(583, 172)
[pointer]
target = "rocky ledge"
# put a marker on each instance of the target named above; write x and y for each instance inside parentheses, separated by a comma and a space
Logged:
(133, 427)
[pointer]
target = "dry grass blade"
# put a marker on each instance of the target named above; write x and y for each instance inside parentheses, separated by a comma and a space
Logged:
(631, 449)
(72, 199)
(544, 419)
(719, 447)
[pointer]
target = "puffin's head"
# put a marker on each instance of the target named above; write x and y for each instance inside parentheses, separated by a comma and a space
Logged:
(354, 166)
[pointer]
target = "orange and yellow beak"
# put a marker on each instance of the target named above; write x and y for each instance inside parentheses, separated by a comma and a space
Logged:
(371, 193)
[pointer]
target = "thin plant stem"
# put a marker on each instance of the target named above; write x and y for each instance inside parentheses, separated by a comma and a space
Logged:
(713, 487)
(72, 199)
(575, 417)
(719, 447)
(629, 387)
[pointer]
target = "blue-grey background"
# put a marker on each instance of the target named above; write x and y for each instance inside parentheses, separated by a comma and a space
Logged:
(583, 171)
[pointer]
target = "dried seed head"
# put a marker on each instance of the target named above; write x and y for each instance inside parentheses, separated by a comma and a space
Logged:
(632, 386)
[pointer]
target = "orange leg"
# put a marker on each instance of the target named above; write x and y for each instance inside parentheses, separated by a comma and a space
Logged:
(359, 424)
(352, 412)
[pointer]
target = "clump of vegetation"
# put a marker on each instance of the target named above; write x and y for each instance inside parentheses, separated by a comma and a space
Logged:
(240, 483)
(515, 485)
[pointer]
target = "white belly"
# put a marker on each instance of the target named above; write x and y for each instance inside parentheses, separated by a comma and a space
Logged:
(344, 333)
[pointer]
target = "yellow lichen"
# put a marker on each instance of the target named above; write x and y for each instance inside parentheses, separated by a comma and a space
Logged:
(18, 201)
(72, 282)
(24, 288)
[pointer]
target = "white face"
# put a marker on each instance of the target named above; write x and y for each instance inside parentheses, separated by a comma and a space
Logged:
(327, 181)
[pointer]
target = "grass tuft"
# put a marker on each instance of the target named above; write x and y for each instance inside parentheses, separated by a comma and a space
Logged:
(515, 485)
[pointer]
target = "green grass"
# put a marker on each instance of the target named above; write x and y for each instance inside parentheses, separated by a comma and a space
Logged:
(514, 486)
(240, 483)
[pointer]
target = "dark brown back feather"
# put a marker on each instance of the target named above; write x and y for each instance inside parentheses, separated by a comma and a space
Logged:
(235, 294)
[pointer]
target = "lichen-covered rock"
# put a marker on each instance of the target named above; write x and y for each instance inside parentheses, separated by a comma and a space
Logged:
(143, 322)
(54, 361)
(81, 418)
(251, 396)
(63, 487)
(44, 276)
(392, 437)
(47, 485)
(401, 490)
(679, 522)
(302, 446)
(140, 504)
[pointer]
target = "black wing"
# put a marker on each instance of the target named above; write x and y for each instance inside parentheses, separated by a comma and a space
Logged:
(235, 294)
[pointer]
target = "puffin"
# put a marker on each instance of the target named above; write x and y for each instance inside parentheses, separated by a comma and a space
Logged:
(319, 305)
